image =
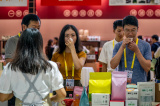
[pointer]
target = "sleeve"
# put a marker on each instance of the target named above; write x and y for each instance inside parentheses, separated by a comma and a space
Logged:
(102, 57)
(5, 81)
(57, 79)
(53, 57)
(147, 52)
(10, 48)
(157, 53)
(82, 54)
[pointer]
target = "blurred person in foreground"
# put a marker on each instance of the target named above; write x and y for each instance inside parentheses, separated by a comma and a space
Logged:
(29, 76)
(28, 21)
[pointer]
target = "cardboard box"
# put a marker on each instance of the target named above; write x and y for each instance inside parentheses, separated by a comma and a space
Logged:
(0, 72)
(155, 103)
(131, 103)
(91, 57)
(157, 92)
(146, 92)
(116, 103)
(100, 99)
(1, 66)
(131, 94)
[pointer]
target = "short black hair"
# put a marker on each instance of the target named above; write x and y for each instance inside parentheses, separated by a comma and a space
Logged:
(116, 24)
(130, 20)
(30, 17)
(56, 38)
(155, 37)
(140, 37)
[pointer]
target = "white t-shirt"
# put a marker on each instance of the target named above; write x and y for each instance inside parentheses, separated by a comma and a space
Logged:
(106, 54)
(157, 53)
(15, 81)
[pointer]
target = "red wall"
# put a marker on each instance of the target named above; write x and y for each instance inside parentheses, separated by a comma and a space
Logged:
(102, 27)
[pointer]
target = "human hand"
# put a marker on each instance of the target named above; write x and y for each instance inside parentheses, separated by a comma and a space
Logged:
(70, 43)
(126, 42)
(58, 64)
(132, 46)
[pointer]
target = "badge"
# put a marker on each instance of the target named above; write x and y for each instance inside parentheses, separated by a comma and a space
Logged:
(129, 76)
(69, 84)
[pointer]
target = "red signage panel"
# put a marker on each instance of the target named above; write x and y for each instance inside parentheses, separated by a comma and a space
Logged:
(103, 11)
(70, 2)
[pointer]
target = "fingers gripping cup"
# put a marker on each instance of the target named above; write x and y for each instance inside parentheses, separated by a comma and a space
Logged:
(71, 39)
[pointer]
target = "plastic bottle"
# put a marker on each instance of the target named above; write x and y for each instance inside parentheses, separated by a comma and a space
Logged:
(76, 101)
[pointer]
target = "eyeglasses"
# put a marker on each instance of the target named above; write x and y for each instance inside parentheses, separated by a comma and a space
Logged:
(128, 31)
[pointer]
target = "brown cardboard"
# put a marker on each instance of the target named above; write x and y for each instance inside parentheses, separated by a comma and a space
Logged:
(1, 68)
(93, 64)
(0, 72)
(157, 92)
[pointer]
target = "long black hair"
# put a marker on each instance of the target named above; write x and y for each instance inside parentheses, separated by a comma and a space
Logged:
(29, 56)
(48, 47)
(62, 45)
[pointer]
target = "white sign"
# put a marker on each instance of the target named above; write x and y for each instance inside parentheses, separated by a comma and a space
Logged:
(133, 2)
(19, 3)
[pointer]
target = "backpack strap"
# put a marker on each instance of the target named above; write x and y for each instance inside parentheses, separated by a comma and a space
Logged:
(31, 87)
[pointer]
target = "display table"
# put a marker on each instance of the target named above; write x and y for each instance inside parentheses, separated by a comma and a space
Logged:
(85, 75)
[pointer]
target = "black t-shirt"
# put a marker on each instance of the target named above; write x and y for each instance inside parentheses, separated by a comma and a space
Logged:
(155, 46)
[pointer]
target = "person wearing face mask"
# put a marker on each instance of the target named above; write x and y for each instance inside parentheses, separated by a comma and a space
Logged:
(107, 50)
(70, 58)
(132, 54)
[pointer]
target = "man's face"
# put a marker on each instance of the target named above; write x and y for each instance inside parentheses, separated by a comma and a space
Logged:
(119, 32)
(153, 40)
(32, 24)
(130, 31)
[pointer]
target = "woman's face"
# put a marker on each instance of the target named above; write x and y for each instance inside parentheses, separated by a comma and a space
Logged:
(70, 34)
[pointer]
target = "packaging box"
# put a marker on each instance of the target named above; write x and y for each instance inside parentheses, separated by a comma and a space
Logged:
(131, 103)
(91, 57)
(155, 103)
(157, 92)
(0, 72)
(116, 103)
(131, 94)
(146, 92)
(100, 99)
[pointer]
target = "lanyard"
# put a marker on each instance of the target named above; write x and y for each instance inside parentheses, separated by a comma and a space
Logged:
(125, 60)
(19, 34)
(66, 69)
(113, 44)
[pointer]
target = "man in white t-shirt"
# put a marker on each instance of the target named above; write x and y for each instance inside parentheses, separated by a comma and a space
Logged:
(107, 50)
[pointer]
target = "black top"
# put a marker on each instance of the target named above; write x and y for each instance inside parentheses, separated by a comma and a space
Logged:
(155, 46)
(49, 52)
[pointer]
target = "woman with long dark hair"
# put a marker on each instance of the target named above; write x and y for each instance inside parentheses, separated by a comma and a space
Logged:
(49, 49)
(70, 57)
(29, 76)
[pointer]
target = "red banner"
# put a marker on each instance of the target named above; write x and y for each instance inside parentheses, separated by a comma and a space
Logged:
(103, 11)
(70, 2)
